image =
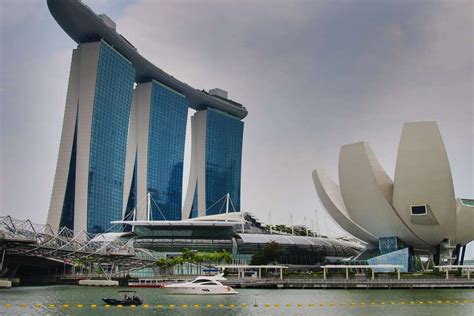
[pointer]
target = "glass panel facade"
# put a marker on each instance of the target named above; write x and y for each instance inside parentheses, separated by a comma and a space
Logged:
(224, 135)
(180, 232)
(399, 257)
(67, 213)
(389, 244)
(166, 138)
(111, 109)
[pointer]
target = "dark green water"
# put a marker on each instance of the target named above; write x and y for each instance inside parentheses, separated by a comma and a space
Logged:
(247, 302)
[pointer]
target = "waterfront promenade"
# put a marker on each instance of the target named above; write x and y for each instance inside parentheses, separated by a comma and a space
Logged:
(341, 283)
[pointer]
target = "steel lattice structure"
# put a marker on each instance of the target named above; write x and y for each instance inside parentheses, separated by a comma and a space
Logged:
(25, 238)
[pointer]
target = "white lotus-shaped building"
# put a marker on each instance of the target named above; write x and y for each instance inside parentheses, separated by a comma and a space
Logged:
(417, 210)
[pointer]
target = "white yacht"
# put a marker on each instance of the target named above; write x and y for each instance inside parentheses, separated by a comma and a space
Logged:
(207, 285)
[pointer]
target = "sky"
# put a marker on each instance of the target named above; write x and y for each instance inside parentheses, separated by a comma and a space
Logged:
(314, 75)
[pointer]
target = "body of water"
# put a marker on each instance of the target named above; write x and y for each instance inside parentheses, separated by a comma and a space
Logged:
(77, 300)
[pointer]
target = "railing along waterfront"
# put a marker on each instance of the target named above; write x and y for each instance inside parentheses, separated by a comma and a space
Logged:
(354, 282)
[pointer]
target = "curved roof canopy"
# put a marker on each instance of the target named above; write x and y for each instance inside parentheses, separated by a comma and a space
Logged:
(296, 240)
(83, 25)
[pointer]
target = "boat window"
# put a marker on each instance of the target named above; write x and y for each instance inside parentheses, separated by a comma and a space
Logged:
(209, 283)
(200, 281)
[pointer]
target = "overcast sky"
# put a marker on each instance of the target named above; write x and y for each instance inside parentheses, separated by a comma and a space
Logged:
(314, 75)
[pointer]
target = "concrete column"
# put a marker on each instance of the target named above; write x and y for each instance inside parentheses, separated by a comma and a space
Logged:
(281, 273)
(373, 273)
(447, 274)
(468, 274)
(259, 273)
(398, 273)
(324, 273)
(347, 274)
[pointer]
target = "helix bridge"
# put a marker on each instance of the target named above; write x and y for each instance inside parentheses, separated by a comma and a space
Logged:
(109, 254)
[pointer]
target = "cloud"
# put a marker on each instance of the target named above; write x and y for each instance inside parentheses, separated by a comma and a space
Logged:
(14, 12)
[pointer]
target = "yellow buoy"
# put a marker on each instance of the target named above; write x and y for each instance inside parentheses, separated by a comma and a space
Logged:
(93, 305)
(65, 305)
(146, 305)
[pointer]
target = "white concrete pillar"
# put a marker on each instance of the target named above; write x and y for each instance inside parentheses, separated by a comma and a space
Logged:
(259, 273)
(398, 273)
(373, 273)
(447, 274)
(324, 273)
(281, 273)
(347, 274)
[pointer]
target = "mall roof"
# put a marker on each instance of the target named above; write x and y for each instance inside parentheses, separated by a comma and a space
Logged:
(295, 240)
(83, 25)
(174, 223)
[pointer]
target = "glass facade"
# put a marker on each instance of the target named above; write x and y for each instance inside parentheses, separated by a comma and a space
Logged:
(224, 135)
(67, 213)
(400, 257)
(389, 244)
(111, 109)
(166, 138)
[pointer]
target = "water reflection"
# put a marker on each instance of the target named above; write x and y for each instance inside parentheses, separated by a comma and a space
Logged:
(247, 302)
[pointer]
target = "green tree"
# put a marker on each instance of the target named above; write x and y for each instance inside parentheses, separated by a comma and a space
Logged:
(269, 254)
(188, 255)
(226, 256)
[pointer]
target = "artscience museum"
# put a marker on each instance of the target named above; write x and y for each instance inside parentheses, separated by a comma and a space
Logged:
(414, 214)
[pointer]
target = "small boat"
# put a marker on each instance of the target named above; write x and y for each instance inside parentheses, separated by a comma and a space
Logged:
(205, 285)
(128, 298)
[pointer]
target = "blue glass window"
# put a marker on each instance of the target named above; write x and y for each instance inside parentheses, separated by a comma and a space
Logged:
(166, 139)
(111, 109)
(224, 135)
